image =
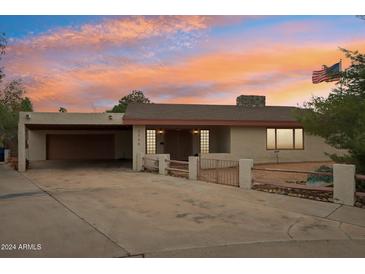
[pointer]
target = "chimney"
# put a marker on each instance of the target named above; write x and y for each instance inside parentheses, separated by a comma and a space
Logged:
(250, 101)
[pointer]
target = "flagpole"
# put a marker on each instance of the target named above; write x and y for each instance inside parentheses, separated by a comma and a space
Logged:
(341, 65)
(340, 72)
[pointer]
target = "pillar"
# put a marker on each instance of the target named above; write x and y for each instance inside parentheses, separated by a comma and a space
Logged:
(245, 173)
(139, 144)
(162, 164)
(344, 185)
(193, 168)
(21, 147)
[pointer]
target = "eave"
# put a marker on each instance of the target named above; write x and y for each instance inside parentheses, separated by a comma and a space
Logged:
(251, 123)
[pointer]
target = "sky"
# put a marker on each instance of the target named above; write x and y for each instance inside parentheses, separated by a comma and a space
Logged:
(87, 63)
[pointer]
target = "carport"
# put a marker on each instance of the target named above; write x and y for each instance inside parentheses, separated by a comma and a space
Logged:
(74, 138)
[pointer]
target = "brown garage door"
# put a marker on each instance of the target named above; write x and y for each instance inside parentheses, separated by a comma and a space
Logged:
(80, 146)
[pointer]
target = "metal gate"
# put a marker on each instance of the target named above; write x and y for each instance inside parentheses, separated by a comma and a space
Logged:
(224, 172)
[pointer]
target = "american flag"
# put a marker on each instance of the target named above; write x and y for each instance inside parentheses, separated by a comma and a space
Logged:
(327, 74)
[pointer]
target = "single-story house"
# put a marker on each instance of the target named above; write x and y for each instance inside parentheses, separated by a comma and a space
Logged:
(249, 129)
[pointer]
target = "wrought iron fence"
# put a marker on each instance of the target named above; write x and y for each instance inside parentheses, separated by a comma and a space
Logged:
(224, 172)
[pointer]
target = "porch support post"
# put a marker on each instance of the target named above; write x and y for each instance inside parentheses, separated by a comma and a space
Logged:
(139, 145)
(344, 184)
(162, 164)
(245, 173)
(139, 161)
(193, 168)
(21, 145)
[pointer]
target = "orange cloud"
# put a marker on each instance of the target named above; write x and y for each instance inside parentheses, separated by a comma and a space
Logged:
(200, 77)
(281, 71)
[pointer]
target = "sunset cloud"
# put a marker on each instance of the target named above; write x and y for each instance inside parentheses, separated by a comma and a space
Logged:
(172, 59)
(119, 31)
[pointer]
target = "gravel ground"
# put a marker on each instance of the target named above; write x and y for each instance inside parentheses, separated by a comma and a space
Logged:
(270, 176)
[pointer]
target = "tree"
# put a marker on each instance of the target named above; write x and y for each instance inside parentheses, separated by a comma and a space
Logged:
(340, 118)
(7, 129)
(26, 104)
(62, 109)
(135, 96)
(2, 52)
(12, 101)
(12, 96)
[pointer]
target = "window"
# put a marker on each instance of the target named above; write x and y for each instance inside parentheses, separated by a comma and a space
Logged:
(298, 137)
(284, 138)
(204, 141)
(151, 141)
(270, 138)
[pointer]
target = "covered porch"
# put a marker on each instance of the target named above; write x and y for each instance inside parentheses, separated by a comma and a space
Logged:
(184, 141)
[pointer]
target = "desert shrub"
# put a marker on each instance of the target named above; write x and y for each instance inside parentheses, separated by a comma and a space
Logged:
(315, 179)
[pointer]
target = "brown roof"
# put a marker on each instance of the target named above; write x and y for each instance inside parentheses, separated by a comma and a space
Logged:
(148, 114)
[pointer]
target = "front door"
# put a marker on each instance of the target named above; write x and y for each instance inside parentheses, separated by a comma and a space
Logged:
(178, 143)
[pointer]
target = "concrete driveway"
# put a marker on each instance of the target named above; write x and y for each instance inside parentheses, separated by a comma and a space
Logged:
(114, 212)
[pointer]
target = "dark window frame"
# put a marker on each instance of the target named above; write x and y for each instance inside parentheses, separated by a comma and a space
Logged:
(276, 142)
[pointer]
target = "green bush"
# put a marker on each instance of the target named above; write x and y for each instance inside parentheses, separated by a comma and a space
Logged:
(316, 179)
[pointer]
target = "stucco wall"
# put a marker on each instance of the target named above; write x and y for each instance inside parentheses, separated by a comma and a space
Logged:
(36, 145)
(250, 143)
(37, 142)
